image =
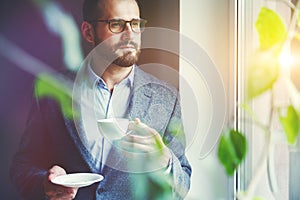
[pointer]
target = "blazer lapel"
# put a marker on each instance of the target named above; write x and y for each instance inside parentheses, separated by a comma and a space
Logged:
(141, 96)
(148, 104)
(85, 154)
(139, 104)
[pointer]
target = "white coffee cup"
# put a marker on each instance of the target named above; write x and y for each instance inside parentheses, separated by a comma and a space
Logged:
(113, 128)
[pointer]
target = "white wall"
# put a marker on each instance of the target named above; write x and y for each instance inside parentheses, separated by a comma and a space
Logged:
(207, 23)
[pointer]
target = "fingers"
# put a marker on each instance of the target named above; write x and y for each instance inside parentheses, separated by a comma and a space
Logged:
(136, 139)
(54, 191)
(133, 143)
(60, 192)
(134, 147)
(142, 137)
(154, 138)
(62, 196)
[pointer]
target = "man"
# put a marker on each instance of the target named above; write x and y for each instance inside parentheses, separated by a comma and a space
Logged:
(148, 162)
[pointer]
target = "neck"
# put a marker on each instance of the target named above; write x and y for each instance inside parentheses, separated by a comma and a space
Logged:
(115, 74)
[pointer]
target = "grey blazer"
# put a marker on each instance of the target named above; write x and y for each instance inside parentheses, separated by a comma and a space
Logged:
(51, 139)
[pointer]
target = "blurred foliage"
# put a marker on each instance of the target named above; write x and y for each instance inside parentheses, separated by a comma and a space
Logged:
(263, 72)
(264, 65)
(63, 24)
(47, 86)
(271, 29)
(290, 124)
(156, 186)
(258, 198)
(232, 150)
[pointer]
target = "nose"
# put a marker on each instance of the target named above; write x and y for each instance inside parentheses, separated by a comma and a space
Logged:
(128, 26)
(127, 33)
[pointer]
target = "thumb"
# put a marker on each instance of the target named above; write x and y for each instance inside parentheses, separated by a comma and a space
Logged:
(56, 171)
(139, 128)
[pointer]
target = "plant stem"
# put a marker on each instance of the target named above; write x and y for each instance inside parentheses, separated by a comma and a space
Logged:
(260, 170)
(293, 23)
(254, 117)
(264, 157)
(265, 154)
(290, 4)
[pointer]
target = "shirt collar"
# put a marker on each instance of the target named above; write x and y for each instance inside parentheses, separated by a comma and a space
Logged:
(94, 78)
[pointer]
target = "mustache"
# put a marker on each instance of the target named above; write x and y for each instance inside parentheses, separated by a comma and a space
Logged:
(125, 43)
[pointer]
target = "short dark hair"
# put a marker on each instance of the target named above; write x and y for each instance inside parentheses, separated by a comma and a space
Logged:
(91, 9)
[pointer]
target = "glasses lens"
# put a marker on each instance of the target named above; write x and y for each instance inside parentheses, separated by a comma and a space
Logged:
(138, 25)
(116, 26)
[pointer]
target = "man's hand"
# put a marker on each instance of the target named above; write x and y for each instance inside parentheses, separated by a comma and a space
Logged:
(57, 192)
(144, 144)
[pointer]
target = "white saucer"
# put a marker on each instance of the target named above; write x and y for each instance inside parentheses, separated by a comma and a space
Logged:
(77, 180)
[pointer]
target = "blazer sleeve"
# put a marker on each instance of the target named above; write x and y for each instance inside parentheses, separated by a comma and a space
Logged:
(174, 138)
(29, 166)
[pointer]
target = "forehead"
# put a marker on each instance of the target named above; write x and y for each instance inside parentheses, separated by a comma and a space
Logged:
(120, 9)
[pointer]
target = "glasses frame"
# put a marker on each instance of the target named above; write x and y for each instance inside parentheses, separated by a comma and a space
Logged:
(109, 21)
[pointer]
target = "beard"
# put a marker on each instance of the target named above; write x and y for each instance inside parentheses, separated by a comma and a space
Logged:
(109, 53)
(128, 59)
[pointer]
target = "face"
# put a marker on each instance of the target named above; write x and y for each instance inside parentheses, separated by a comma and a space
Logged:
(124, 46)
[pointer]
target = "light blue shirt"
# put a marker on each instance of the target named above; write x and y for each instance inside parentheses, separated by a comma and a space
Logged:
(100, 103)
(107, 105)
(115, 104)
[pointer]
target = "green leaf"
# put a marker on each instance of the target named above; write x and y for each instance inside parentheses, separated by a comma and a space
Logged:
(264, 65)
(298, 19)
(152, 185)
(270, 28)
(232, 150)
(263, 72)
(48, 86)
(294, 95)
(258, 198)
(290, 124)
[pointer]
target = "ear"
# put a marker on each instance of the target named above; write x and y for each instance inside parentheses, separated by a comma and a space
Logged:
(87, 31)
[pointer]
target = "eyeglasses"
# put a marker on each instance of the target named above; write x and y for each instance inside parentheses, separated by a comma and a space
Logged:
(118, 25)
